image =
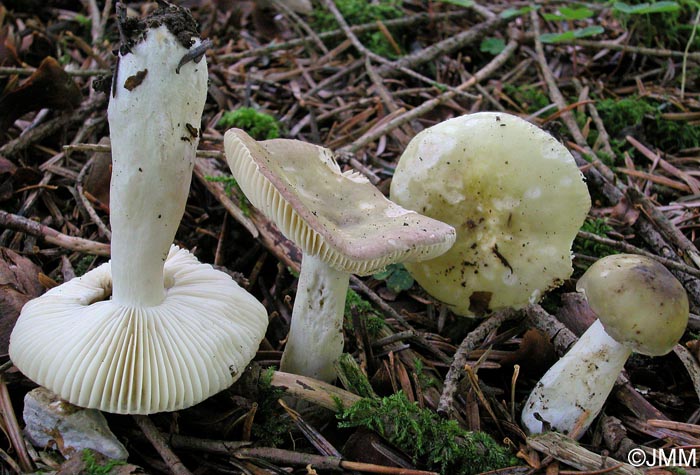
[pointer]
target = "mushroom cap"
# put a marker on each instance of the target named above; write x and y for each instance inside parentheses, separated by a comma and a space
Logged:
(516, 198)
(138, 360)
(339, 217)
(638, 301)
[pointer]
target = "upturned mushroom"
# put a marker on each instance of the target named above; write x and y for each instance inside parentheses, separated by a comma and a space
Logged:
(515, 197)
(343, 225)
(641, 307)
(153, 330)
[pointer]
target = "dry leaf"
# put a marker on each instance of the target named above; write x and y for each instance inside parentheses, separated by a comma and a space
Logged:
(19, 283)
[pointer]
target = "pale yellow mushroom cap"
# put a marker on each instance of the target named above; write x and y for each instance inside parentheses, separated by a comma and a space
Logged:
(340, 217)
(638, 301)
(516, 198)
(94, 353)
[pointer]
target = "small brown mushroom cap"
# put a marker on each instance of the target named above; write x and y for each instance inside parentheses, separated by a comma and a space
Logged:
(638, 301)
(340, 217)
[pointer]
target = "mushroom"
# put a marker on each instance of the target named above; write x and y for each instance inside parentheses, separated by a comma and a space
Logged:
(641, 307)
(174, 331)
(343, 225)
(516, 198)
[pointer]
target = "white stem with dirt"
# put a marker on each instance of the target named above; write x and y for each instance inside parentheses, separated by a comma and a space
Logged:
(154, 116)
(315, 340)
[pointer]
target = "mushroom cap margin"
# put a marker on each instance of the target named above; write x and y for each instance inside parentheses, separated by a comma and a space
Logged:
(340, 217)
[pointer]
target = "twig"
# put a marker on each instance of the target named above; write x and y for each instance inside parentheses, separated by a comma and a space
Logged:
(50, 235)
(428, 106)
(391, 313)
(161, 445)
(453, 43)
(569, 452)
(49, 127)
(691, 366)
(655, 218)
(14, 432)
(311, 390)
(357, 29)
(470, 342)
(630, 249)
(7, 71)
(86, 203)
(611, 45)
(287, 457)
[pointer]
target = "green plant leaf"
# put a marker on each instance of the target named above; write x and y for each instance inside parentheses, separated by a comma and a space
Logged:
(399, 280)
(514, 12)
(644, 8)
(492, 45)
(571, 35)
(569, 14)
(461, 3)
(576, 13)
(396, 277)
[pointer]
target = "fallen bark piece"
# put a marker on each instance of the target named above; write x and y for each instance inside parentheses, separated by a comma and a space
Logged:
(51, 421)
(568, 451)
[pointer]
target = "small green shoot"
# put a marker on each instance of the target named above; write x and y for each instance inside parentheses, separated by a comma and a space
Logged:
(396, 277)
(93, 467)
(259, 125)
(492, 46)
(82, 20)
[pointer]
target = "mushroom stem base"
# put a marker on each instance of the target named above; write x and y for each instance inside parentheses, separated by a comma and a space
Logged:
(578, 383)
(315, 340)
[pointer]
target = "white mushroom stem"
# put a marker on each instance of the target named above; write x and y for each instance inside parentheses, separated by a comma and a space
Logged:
(153, 149)
(315, 340)
(578, 384)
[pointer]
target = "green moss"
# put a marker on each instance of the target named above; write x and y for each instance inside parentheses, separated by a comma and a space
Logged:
(530, 98)
(259, 125)
(271, 424)
(83, 265)
(373, 320)
(600, 227)
(642, 117)
(352, 376)
(435, 443)
(357, 12)
(424, 379)
(231, 187)
(93, 467)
